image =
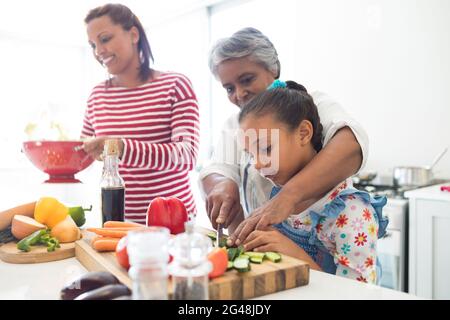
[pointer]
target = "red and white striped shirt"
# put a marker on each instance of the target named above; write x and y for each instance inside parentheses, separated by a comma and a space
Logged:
(159, 125)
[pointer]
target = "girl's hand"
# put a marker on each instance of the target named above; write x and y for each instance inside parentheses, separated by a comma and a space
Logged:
(271, 240)
(94, 147)
(222, 203)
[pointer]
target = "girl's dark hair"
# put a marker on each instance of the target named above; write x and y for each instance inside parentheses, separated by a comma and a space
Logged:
(290, 106)
(123, 16)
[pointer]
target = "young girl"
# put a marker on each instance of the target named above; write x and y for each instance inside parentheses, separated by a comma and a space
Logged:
(337, 234)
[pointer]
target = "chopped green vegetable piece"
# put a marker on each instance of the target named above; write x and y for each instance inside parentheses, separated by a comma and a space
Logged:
(212, 235)
(251, 254)
(39, 237)
(223, 242)
(232, 253)
(242, 265)
(273, 256)
(243, 256)
(240, 250)
(256, 260)
(34, 238)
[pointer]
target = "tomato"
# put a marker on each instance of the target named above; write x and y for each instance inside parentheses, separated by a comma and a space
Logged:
(167, 212)
(122, 254)
(219, 259)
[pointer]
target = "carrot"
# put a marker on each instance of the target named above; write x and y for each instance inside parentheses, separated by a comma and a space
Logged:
(106, 244)
(96, 238)
(7, 216)
(108, 232)
(121, 224)
(122, 229)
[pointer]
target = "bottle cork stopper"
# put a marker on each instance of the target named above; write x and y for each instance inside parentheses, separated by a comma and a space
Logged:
(112, 147)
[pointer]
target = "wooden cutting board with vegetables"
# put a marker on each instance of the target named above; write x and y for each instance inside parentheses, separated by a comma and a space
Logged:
(10, 254)
(249, 274)
(41, 231)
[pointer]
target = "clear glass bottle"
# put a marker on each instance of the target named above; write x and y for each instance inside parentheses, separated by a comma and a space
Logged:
(112, 184)
(190, 266)
(148, 254)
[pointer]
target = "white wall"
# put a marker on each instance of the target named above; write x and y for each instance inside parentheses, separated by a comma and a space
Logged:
(388, 63)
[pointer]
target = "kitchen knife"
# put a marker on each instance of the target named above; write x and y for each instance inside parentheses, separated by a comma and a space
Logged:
(219, 234)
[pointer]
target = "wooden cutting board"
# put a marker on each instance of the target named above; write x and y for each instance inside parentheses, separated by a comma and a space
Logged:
(9, 253)
(263, 279)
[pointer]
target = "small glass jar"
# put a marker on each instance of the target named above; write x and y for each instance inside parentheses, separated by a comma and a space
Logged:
(190, 266)
(148, 255)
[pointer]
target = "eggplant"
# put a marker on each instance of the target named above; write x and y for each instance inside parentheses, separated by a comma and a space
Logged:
(124, 298)
(107, 292)
(87, 282)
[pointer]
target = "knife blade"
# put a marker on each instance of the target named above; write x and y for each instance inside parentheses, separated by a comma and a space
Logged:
(219, 234)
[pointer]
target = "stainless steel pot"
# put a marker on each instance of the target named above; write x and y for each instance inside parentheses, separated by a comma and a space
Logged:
(412, 176)
(407, 176)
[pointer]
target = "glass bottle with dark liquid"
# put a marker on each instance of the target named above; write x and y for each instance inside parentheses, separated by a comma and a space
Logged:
(112, 185)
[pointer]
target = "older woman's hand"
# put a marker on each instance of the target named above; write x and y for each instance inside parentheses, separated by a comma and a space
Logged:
(223, 204)
(274, 211)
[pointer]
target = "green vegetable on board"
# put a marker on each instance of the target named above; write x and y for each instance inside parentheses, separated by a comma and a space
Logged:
(39, 237)
(78, 215)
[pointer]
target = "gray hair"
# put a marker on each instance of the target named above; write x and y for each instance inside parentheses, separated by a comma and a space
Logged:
(247, 42)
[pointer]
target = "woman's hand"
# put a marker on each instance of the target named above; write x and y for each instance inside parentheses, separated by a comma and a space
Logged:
(274, 211)
(94, 147)
(223, 203)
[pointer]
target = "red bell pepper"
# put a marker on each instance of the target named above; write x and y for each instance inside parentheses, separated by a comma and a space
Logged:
(167, 212)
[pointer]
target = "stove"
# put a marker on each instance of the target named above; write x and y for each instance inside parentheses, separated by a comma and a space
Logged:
(393, 247)
(384, 186)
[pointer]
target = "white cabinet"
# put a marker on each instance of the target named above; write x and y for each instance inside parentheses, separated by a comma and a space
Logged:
(429, 243)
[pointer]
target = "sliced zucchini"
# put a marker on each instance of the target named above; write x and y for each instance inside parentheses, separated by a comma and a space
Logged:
(212, 235)
(259, 255)
(230, 265)
(243, 256)
(256, 259)
(273, 256)
(223, 242)
(232, 253)
(242, 265)
(240, 250)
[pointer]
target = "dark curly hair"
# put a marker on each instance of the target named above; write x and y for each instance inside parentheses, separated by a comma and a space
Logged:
(290, 106)
(123, 16)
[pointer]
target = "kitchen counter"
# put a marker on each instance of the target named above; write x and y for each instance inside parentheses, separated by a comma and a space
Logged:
(430, 193)
(44, 280)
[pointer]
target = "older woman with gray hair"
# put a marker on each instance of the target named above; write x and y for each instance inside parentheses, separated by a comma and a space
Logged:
(247, 64)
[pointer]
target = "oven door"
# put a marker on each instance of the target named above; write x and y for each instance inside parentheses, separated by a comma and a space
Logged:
(389, 250)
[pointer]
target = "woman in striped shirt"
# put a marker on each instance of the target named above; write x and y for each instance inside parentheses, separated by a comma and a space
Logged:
(154, 115)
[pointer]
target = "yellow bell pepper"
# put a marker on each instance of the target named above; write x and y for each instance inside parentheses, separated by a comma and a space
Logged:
(50, 211)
